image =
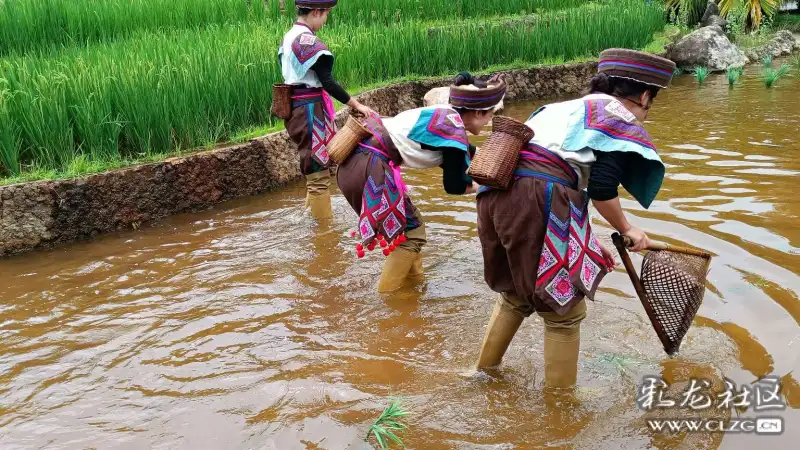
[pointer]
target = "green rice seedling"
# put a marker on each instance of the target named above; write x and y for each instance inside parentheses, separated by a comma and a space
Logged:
(701, 73)
(157, 92)
(734, 73)
(388, 424)
(33, 25)
(795, 61)
(767, 61)
(772, 75)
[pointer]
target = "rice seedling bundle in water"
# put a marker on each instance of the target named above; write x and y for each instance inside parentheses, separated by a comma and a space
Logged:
(701, 73)
(772, 75)
(183, 89)
(35, 25)
(734, 73)
(385, 429)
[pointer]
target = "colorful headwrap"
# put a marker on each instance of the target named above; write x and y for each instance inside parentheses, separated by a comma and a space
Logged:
(315, 4)
(473, 97)
(638, 66)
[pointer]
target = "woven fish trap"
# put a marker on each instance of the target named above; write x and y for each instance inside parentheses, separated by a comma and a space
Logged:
(671, 287)
(346, 140)
(675, 284)
(281, 101)
(496, 160)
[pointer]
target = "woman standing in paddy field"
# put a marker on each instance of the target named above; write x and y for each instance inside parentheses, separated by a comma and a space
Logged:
(307, 64)
(434, 136)
(539, 251)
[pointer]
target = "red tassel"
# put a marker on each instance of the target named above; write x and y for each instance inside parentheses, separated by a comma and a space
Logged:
(361, 254)
(359, 247)
(392, 247)
(352, 234)
(384, 244)
(371, 246)
(380, 237)
(386, 252)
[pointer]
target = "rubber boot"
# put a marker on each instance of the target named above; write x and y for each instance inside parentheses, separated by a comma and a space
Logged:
(416, 267)
(501, 330)
(561, 349)
(320, 204)
(396, 269)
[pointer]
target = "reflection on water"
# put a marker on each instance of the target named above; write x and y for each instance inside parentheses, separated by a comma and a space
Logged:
(249, 327)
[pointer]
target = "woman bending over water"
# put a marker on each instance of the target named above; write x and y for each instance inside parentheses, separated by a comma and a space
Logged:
(420, 138)
(538, 247)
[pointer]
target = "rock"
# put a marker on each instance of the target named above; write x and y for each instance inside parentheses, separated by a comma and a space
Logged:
(441, 96)
(783, 44)
(718, 21)
(707, 47)
(711, 10)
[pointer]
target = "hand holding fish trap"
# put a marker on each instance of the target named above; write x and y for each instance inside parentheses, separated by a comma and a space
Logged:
(671, 287)
(496, 160)
(346, 140)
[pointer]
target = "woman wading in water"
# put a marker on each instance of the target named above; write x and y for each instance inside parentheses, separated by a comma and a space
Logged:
(420, 138)
(538, 247)
(307, 64)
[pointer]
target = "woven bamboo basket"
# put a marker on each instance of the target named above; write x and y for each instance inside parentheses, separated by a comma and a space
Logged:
(346, 140)
(496, 160)
(281, 101)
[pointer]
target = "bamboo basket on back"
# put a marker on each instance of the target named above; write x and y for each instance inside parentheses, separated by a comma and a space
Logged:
(346, 140)
(671, 287)
(281, 101)
(496, 160)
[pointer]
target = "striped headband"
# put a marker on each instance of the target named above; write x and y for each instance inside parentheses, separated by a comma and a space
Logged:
(638, 66)
(477, 98)
(315, 4)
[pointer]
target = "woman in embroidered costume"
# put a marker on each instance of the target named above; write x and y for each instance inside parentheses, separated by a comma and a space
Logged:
(434, 136)
(307, 64)
(538, 248)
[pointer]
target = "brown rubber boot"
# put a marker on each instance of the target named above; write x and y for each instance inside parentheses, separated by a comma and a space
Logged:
(561, 349)
(318, 194)
(396, 269)
(320, 205)
(416, 267)
(501, 330)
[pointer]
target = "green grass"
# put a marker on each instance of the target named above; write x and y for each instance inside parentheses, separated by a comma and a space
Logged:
(154, 94)
(771, 75)
(701, 73)
(766, 61)
(389, 423)
(38, 25)
(663, 38)
(795, 61)
(734, 73)
(787, 22)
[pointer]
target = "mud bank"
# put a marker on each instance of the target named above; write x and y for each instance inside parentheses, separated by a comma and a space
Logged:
(46, 213)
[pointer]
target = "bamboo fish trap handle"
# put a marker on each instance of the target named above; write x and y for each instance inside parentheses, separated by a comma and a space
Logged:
(655, 246)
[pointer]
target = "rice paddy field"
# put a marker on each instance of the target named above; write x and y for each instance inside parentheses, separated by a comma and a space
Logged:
(91, 85)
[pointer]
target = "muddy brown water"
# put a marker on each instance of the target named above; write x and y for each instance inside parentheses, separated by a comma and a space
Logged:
(250, 327)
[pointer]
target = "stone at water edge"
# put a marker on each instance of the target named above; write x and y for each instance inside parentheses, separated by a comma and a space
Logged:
(441, 96)
(707, 47)
(783, 44)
